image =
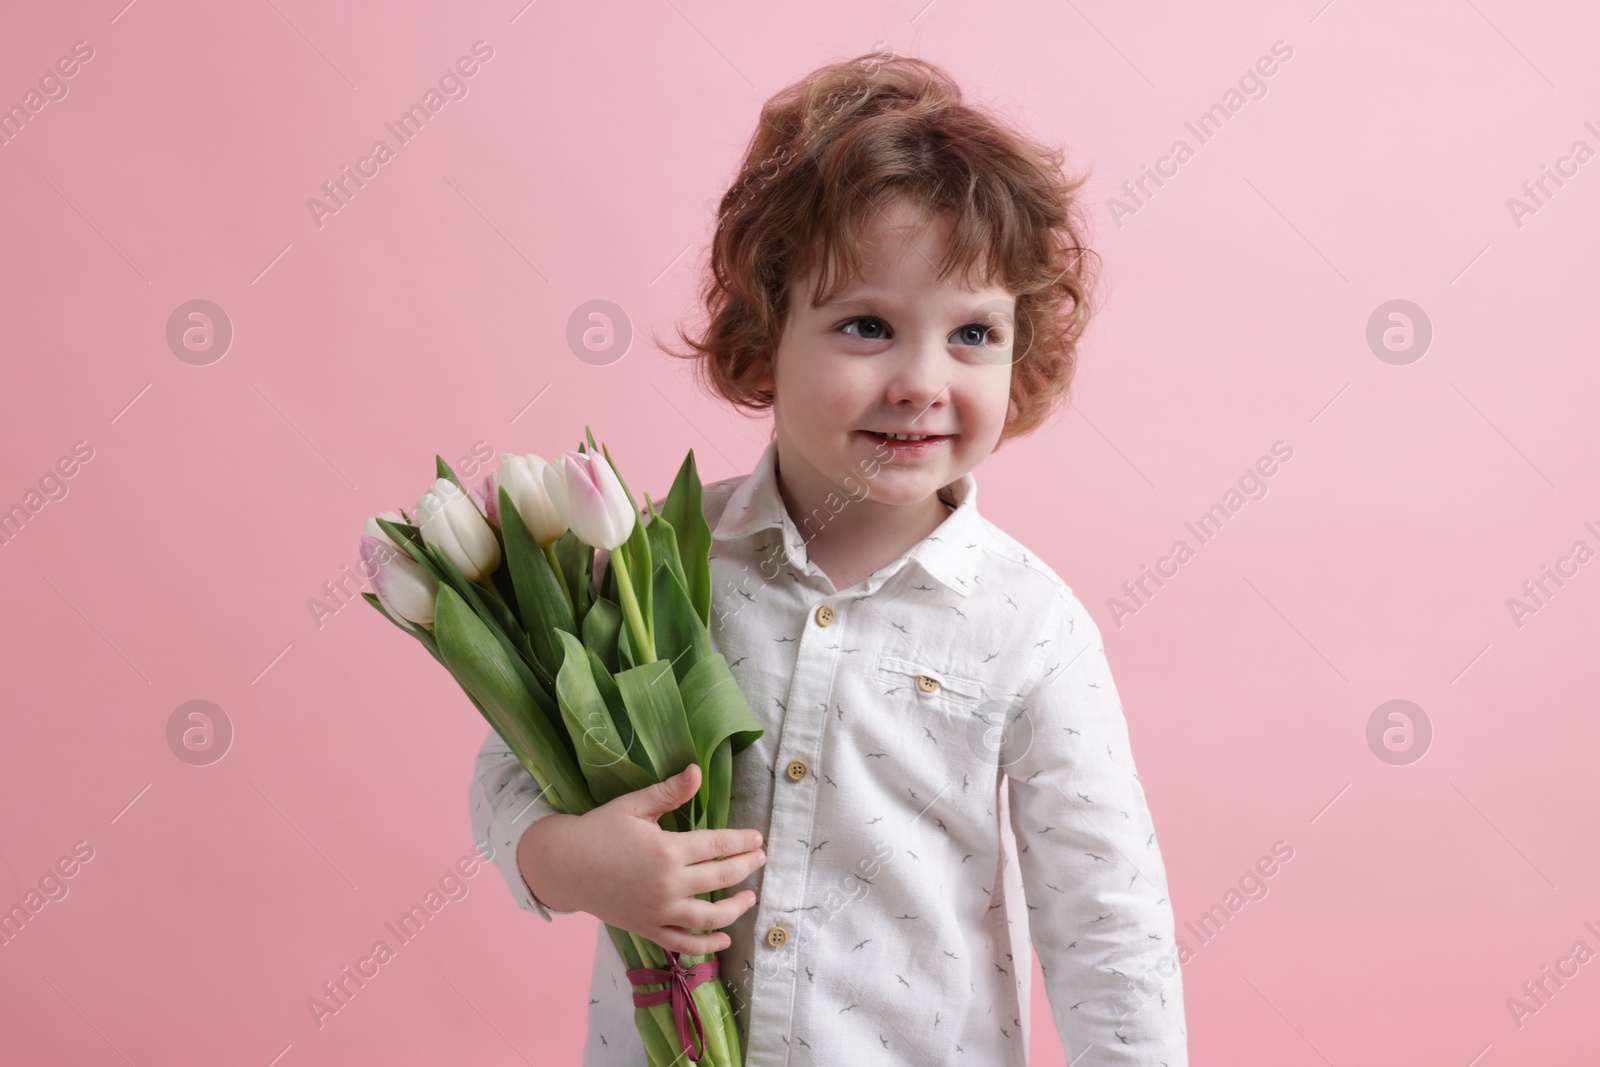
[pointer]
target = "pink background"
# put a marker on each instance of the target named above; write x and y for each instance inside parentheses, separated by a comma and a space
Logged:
(430, 311)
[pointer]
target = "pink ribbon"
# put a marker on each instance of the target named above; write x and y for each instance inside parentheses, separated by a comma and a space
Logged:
(682, 979)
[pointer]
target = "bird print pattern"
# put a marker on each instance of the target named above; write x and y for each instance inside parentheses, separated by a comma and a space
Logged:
(969, 798)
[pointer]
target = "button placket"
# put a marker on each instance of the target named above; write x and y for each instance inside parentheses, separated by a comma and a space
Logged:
(791, 822)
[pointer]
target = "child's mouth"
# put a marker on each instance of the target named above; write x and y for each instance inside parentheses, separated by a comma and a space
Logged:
(910, 449)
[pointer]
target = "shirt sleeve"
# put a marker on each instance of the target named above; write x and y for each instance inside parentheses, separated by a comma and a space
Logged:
(505, 801)
(1099, 914)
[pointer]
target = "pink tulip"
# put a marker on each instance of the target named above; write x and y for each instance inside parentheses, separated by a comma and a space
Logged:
(374, 530)
(486, 495)
(589, 496)
(408, 591)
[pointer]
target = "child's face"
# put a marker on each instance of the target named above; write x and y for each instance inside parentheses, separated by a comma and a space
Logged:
(895, 351)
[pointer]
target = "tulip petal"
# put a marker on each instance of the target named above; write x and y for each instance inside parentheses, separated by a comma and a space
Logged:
(524, 481)
(405, 588)
(451, 523)
(372, 529)
(596, 506)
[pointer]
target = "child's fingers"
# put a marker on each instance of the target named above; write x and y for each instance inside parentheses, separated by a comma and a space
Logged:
(697, 914)
(679, 940)
(720, 874)
(708, 844)
(655, 800)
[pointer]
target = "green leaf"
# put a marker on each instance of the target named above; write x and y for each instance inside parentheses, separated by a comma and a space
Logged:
(640, 569)
(490, 602)
(685, 511)
(500, 581)
(627, 656)
(400, 532)
(627, 739)
(681, 638)
(664, 546)
(479, 662)
(577, 564)
(650, 693)
(601, 629)
(544, 606)
(446, 472)
(514, 641)
(716, 711)
(601, 751)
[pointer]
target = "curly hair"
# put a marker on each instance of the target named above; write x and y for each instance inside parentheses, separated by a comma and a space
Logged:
(833, 149)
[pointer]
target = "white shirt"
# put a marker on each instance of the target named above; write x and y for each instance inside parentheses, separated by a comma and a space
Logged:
(955, 694)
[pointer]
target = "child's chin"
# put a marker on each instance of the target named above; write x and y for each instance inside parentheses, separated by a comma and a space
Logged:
(890, 486)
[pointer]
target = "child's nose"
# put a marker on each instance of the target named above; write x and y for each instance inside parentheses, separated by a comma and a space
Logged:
(919, 392)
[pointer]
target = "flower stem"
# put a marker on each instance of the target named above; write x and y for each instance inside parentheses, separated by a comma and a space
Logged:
(555, 565)
(643, 643)
(651, 955)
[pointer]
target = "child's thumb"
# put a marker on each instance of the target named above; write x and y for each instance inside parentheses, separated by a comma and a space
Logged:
(662, 797)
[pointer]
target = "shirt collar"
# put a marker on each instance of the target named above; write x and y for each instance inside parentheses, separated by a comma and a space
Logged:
(946, 554)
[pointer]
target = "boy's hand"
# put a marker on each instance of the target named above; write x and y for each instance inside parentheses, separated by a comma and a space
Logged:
(616, 863)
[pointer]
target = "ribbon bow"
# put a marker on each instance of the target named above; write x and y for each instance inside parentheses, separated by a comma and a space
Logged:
(682, 979)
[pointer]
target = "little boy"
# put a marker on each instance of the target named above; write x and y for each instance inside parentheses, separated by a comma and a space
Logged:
(899, 279)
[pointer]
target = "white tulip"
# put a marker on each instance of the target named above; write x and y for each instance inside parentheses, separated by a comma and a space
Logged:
(523, 479)
(450, 522)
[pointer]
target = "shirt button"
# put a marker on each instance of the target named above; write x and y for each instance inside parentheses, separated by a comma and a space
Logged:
(796, 770)
(824, 615)
(926, 684)
(777, 936)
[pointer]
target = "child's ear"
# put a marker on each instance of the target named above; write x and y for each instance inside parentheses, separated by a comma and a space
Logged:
(762, 376)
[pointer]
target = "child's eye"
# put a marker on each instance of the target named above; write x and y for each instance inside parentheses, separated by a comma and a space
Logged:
(973, 333)
(976, 333)
(868, 319)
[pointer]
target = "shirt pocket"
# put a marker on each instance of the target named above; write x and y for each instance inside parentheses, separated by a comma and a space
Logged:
(929, 687)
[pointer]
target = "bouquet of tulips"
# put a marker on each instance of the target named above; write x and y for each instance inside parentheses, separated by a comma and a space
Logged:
(598, 692)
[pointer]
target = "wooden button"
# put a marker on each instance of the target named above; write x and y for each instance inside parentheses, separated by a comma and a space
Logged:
(926, 684)
(777, 936)
(824, 615)
(796, 770)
